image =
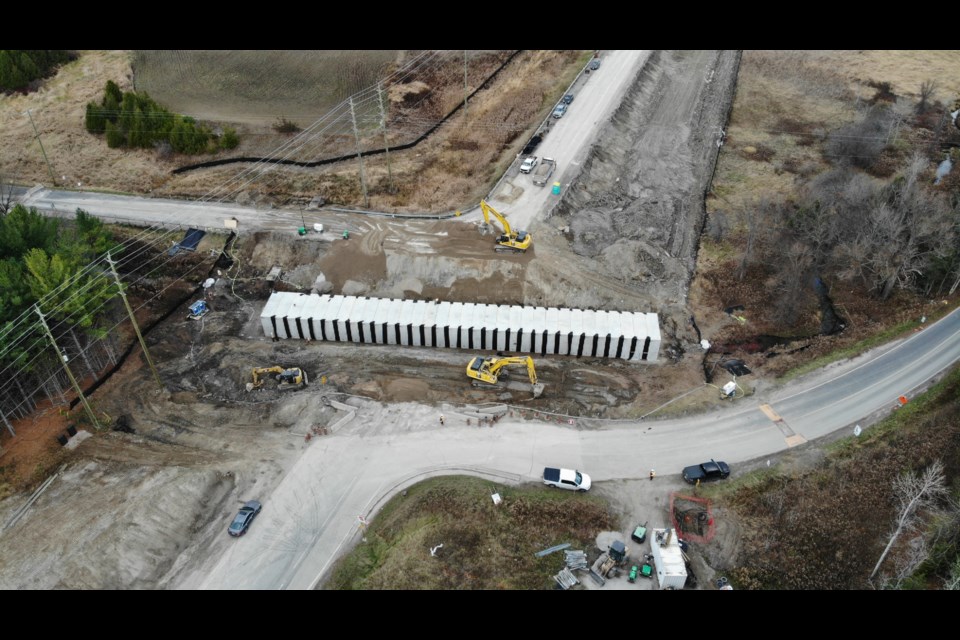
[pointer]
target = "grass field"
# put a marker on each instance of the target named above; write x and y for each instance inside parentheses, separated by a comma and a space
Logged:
(257, 87)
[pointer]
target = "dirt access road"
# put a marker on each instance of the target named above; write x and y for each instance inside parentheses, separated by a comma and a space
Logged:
(149, 510)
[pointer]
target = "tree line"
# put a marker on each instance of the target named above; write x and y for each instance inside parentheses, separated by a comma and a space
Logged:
(134, 119)
(19, 68)
(43, 261)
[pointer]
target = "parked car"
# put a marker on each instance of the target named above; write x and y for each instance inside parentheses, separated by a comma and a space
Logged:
(706, 471)
(567, 99)
(594, 64)
(244, 517)
(528, 164)
(532, 145)
(559, 111)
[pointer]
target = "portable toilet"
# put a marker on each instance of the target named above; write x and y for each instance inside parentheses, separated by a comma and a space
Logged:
(198, 309)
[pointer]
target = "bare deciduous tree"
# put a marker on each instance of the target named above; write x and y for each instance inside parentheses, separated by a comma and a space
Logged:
(953, 580)
(927, 89)
(906, 228)
(796, 261)
(756, 216)
(914, 493)
(6, 195)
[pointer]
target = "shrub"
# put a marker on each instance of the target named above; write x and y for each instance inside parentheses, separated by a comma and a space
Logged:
(229, 139)
(136, 120)
(282, 125)
(861, 142)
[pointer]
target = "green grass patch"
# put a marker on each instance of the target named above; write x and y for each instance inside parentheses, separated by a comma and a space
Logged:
(485, 546)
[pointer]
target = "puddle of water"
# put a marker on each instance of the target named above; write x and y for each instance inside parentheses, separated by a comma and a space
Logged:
(943, 169)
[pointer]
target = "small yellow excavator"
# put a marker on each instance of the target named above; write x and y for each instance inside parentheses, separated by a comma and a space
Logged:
(487, 372)
(287, 379)
(510, 241)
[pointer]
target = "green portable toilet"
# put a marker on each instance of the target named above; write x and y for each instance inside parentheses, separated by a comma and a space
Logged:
(556, 188)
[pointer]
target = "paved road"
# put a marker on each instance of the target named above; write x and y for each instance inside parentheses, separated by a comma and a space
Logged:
(313, 515)
(597, 96)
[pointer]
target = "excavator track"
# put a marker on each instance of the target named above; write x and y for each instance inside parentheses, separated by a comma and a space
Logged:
(514, 385)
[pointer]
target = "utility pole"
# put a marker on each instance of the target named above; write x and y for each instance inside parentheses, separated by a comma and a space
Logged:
(133, 319)
(42, 150)
(66, 367)
(383, 127)
(356, 136)
(7, 423)
(464, 84)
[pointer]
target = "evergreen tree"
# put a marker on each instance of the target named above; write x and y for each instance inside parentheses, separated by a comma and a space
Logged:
(95, 119)
(28, 67)
(23, 229)
(77, 303)
(6, 70)
(112, 94)
(115, 137)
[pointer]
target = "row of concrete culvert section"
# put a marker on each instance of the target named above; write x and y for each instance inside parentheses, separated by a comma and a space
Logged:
(462, 325)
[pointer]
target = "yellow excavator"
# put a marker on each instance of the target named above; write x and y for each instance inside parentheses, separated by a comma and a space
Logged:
(487, 372)
(510, 240)
(287, 379)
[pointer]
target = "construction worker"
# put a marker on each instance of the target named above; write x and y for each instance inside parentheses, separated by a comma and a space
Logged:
(441, 419)
(652, 474)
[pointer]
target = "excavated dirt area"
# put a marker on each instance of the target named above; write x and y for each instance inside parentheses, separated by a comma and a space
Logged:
(143, 509)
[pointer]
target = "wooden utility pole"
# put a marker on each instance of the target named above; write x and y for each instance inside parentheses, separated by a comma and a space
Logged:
(383, 127)
(356, 135)
(133, 319)
(66, 367)
(42, 150)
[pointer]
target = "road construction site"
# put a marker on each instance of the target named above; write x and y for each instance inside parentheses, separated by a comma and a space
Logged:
(147, 507)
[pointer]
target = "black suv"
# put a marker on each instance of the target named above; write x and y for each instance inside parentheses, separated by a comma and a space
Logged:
(707, 471)
(567, 99)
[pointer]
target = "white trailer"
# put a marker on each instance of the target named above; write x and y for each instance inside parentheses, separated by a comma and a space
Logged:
(668, 559)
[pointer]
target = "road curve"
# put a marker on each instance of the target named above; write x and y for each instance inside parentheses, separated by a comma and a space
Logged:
(313, 516)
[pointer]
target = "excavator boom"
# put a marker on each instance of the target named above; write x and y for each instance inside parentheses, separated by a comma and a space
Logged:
(513, 241)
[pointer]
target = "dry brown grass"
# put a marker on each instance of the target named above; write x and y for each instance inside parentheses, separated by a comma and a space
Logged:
(58, 111)
(452, 169)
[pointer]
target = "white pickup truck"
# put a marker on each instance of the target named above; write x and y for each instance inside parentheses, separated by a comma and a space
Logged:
(566, 479)
(528, 164)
